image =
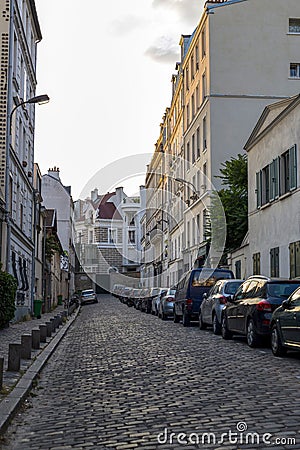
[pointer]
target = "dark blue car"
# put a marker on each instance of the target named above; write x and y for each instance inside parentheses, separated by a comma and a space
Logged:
(190, 290)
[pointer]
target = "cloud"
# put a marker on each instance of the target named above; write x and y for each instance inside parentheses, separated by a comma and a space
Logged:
(165, 50)
(188, 10)
(126, 24)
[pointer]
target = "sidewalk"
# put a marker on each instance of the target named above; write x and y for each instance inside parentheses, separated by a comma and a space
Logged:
(16, 385)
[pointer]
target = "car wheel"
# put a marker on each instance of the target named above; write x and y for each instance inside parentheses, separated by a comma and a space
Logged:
(202, 325)
(226, 333)
(216, 325)
(186, 321)
(176, 318)
(163, 316)
(252, 336)
(96, 301)
(276, 343)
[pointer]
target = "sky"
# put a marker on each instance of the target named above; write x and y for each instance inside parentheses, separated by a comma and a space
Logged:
(107, 69)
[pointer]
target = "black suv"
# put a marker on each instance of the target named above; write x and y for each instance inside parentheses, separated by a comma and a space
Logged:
(249, 311)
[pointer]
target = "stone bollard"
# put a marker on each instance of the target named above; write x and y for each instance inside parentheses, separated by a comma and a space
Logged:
(26, 343)
(49, 329)
(1, 372)
(36, 339)
(43, 332)
(14, 357)
(52, 320)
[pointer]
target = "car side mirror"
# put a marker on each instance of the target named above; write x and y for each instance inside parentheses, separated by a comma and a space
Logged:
(204, 295)
(285, 304)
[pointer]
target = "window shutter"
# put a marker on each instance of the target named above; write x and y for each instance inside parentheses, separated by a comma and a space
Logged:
(258, 189)
(293, 167)
(272, 180)
(276, 177)
(292, 260)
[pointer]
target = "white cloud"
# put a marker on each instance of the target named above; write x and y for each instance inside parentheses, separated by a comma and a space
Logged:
(164, 50)
(188, 10)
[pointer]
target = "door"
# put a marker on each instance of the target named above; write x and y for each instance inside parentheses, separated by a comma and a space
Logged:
(290, 320)
(233, 308)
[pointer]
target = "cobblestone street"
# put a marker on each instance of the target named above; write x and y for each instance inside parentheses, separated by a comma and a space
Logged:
(122, 379)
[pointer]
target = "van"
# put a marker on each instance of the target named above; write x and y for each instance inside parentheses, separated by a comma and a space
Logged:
(190, 290)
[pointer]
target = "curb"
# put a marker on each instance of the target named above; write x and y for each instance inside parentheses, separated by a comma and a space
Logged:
(10, 404)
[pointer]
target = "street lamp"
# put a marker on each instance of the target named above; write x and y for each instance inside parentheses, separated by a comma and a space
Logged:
(195, 196)
(40, 99)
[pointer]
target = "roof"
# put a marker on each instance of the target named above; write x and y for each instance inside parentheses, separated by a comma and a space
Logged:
(271, 116)
(107, 209)
(36, 20)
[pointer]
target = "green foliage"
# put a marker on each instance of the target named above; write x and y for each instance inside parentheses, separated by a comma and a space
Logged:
(52, 246)
(234, 199)
(8, 289)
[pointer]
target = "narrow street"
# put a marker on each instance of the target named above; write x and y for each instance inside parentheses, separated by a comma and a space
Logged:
(122, 379)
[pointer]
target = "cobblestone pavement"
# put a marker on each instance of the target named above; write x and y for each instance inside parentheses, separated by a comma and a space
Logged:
(122, 379)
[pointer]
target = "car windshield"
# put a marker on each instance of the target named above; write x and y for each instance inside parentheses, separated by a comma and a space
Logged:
(87, 292)
(281, 289)
(172, 292)
(231, 288)
(208, 277)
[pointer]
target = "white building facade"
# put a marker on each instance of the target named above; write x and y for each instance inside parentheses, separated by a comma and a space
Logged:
(274, 191)
(57, 196)
(20, 33)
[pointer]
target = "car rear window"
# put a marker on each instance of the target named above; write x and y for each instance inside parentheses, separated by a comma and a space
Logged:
(208, 277)
(281, 289)
(231, 288)
(87, 292)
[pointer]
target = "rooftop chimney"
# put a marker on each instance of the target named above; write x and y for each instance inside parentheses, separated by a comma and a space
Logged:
(54, 173)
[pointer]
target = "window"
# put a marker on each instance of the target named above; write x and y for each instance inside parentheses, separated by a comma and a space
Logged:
(278, 178)
(204, 133)
(274, 262)
(256, 263)
(204, 176)
(294, 25)
(187, 78)
(295, 299)
(197, 98)
(295, 70)
(188, 152)
(288, 170)
(192, 67)
(187, 115)
(131, 236)
(294, 248)
(197, 57)
(112, 236)
(90, 236)
(203, 43)
(205, 225)
(193, 106)
(203, 87)
(238, 269)
(198, 142)
(193, 149)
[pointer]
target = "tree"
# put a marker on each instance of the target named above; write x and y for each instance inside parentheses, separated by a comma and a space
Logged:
(233, 201)
(234, 198)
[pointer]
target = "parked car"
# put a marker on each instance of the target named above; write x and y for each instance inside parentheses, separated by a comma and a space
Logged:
(139, 299)
(285, 325)
(190, 290)
(156, 301)
(88, 296)
(146, 304)
(214, 301)
(249, 311)
(116, 290)
(166, 304)
(125, 294)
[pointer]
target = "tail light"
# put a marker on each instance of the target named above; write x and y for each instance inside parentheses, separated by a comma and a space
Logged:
(222, 300)
(189, 301)
(264, 306)
(169, 299)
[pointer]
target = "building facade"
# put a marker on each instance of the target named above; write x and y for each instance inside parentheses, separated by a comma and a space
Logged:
(20, 33)
(108, 239)
(57, 196)
(224, 81)
(274, 191)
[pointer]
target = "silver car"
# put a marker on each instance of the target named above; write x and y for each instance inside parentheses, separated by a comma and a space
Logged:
(158, 293)
(166, 304)
(214, 301)
(88, 296)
